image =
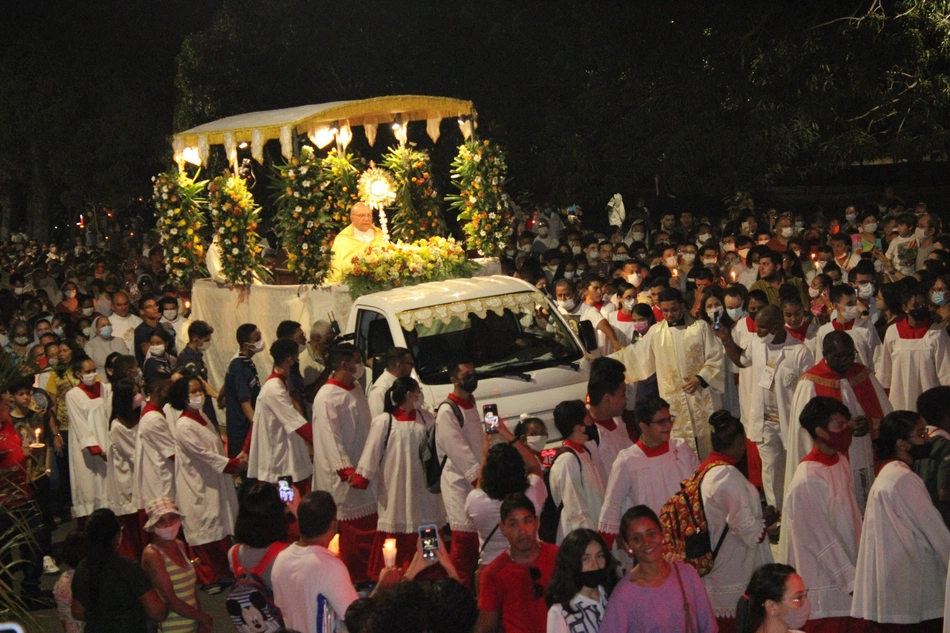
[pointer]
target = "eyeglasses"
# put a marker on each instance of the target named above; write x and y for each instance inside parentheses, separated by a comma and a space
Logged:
(535, 578)
(668, 420)
(799, 599)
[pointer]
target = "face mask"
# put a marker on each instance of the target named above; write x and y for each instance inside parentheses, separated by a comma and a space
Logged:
(569, 274)
(58, 331)
(629, 303)
(593, 256)
(920, 451)
(796, 618)
(106, 332)
(670, 261)
(594, 578)
(866, 290)
(703, 238)
(69, 294)
(543, 231)
(359, 371)
(565, 304)
(870, 227)
(641, 327)
(510, 252)
(850, 217)
(714, 314)
(920, 234)
(743, 252)
(170, 315)
(168, 533)
(848, 313)
(939, 297)
(88, 332)
(525, 248)
(620, 257)
(634, 279)
(258, 346)
(88, 379)
(87, 311)
(709, 261)
(689, 258)
(768, 339)
(21, 340)
(840, 441)
(469, 383)
(19, 290)
(920, 314)
(204, 347)
(156, 350)
(138, 377)
(196, 402)
(735, 313)
(787, 231)
(637, 236)
(137, 401)
(728, 247)
(576, 250)
(536, 442)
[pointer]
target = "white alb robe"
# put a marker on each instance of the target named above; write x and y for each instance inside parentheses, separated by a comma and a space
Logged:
(910, 367)
(608, 446)
(577, 484)
(276, 449)
(155, 449)
(463, 446)
(120, 480)
(742, 334)
(88, 426)
(675, 354)
(377, 393)
(204, 492)
(637, 479)
(731, 501)
(901, 573)
(340, 428)
(391, 458)
(821, 528)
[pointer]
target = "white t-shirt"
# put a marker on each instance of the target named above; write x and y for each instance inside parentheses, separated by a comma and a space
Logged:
(485, 514)
(585, 618)
(312, 589)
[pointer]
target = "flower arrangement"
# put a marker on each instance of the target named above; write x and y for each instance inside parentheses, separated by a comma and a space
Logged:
(484, 209)
(178, 207)
(399, 264)
(313, 204)
(415, 213)
(235, 215)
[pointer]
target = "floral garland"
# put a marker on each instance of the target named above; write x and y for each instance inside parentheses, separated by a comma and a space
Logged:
(235, 216)
(178, 205)
(484, 208)
(399, 264)
(313, 206)
(415, 212)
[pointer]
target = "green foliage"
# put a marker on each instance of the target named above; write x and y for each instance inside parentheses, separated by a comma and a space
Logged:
(235, 215)
(484, 209)
(178, 205)
(415, 214)
(397, 265)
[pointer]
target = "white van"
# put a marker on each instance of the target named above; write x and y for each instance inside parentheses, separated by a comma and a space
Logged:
(527, 357)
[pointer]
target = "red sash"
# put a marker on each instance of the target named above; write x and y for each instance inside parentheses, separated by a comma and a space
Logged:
(906, 330)
(828, 383)
(798, 332)
(750, 323)
(838, 327)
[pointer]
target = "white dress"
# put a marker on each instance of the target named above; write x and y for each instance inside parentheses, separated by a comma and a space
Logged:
(391, 458)
(463, 447)
(276, 449)
(902, 559)
(205, 493)
(88, 426)
(576, 483)
(910, 367)
(155, 449)
(608, 445)
(120, 480)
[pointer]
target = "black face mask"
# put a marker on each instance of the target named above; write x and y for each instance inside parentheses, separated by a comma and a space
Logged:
(920, 451)
(469, 383)
(594, 578)
(920, 314)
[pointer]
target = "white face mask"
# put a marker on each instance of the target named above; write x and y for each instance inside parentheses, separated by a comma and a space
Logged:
(170, 315)
(813, 292)
(634, 279)
(689, 258)
(576, 250)
(670, 261)
(866, 290)
(768, 339)
(714, 314)
(196, 402)
(703, 238)
(629, 303)
(920, 234)
(728, 247)
(536, 442)
(743, 252)
(796, 618)
(258, 346)
(569, 274)
(637, 236)
(848, 313)
(543, 231)
(870, 227)
(169, 532)
(850, 217)
(735, 313)
(88, 379)
(204, 347)
(787, 231)
(87, 311)
(565, 304)
(156, 350)
(359, 371)
(709, 261)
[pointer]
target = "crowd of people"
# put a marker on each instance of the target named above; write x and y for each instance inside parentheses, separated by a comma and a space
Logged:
(789, 371)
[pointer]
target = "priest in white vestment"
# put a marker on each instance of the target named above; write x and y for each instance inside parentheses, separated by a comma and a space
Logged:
(353, 240)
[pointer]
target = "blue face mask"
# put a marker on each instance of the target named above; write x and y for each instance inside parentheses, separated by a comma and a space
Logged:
(106, 332)
(939, 297)
(735, 313)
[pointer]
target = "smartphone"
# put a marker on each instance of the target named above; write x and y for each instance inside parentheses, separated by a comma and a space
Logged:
(10, 627)
(429, 536)
(718, 320)
(285, 486)
(491, 418)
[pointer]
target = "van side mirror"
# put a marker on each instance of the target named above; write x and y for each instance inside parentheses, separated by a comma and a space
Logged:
(585, 332)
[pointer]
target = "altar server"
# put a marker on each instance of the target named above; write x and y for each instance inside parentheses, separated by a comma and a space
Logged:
(89, 405)
(341, 423)
(399, 363)
(203, 483)
(155, 447)
(687, 360)
(576, 484)
(607, 392)
(821, 522)
(901, 573)
(866, 341)
(280, 435)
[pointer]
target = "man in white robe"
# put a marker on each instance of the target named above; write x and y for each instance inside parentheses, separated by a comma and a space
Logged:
(778, 360)
(90, 410)
(280, 435)
(399, 364)
(607, 392)
(123, 321)
(687, 360)
(821, 523)
(576, 484)
(839, 376)
(340, 427)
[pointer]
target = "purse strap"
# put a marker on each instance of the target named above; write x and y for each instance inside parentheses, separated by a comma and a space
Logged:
(686, 608)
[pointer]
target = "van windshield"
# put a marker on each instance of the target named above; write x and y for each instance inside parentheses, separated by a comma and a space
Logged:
(513, 343)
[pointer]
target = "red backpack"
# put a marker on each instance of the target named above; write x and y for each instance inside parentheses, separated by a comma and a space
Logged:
(250, 603)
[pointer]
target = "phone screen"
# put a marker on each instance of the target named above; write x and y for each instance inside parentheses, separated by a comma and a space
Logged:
(429, 535)
(491, 418)
(286, 489)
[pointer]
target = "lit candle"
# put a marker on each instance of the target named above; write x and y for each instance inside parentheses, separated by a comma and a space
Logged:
(37, 433)
(676, 273)
(334, 545)
(389, 552)
(733, 273)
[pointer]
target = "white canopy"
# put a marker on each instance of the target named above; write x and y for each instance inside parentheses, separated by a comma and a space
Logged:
(317, 121)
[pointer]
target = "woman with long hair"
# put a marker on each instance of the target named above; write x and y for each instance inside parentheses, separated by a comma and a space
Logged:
(120, 466)
(584, 575)
(776, 601)
(391, 456)
(261, 530)
(656, 595)
(110, 592)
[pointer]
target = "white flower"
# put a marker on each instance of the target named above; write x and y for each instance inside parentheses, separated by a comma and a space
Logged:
(492, 216)
(307, 183)
(234, 251)
(296, 194)
(164, 196)
(174, 231)
(175, 250)
(221, 231)
(304, 246)
(303, 170)
(298, 208)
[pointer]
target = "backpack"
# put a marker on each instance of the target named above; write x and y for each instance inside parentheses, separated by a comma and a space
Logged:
(432, 466)
(685, 529)
(250, 603)
(550, 517)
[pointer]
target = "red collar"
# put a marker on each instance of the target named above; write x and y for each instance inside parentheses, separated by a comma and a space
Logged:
(847, 326)
(906, 330)
(151, 407)
(608, 424)
(194, 415)
(623, 316)
(578, 448)
(403, 416)
(598, 305)
(465, 404)
(718, 458)
(817, 456)
(95, 391)
(655, 451)
(334, 381)
(750, 323)
(799, 332)
(275, 374)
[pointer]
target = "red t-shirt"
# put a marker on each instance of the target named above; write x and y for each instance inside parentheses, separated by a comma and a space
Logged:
(14, 461)
(507, 587)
